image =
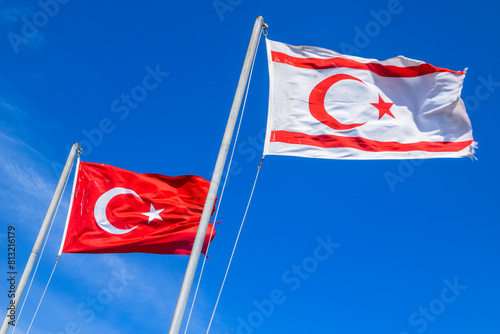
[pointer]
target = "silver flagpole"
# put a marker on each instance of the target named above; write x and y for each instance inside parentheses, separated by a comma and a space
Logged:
(10, 317)
(214, 184)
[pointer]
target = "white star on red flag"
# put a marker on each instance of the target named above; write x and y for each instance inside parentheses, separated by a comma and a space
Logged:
(153, 214)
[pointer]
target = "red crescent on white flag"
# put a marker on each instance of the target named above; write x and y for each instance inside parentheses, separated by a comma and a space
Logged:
(317, 102)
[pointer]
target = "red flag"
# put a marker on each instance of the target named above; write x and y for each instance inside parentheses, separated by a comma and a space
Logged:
(117, 211)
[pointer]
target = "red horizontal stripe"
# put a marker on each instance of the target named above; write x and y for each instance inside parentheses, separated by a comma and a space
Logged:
(363, 144)
(381, 70)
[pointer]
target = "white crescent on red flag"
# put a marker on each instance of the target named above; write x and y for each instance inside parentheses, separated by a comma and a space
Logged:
(326, 105)
(117, 211)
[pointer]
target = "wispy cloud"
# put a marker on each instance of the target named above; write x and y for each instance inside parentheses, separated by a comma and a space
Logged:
(26, 179)
(109, 285)
(11, 15)
(20, 171)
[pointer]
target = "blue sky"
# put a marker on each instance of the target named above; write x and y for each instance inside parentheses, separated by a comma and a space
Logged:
(390, 246)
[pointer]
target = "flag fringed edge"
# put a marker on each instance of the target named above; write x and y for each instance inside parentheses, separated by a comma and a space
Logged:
(472, 150)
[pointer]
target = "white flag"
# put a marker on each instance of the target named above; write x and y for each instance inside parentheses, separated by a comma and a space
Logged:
(326, 105)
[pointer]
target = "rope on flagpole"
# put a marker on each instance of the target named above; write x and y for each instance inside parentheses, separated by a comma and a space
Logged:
(223, 186)
(43, 294)
(235, 244)
(38, 262)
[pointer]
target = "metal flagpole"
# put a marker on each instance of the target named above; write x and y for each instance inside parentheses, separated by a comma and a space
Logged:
(11, 310)
(214, 184)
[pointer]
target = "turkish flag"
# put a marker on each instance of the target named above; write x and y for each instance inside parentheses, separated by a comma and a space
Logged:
(117, 211)
(323, 104)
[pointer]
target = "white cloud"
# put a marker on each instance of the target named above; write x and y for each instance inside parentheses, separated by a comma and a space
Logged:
(26, 177)
(27, 181)
(22, 168)
(23, 172)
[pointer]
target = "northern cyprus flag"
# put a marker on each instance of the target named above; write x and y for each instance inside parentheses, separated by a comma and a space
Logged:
(326, 105)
